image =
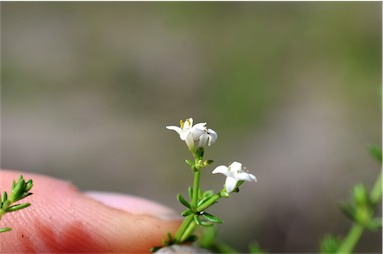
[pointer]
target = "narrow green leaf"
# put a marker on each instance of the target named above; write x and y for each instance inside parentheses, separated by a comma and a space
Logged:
(2, 230)
(211, 218)
(28, 185)
(208, 162)
(5, 197)
(197, 220)
(26, 194)
(190, 191)
(203, 200)
(5, 204)
(208, 193)
(190, 163)
(206, 224)
(183, 201)
(186, 212)
(17, 190)
(17, 207)
(348, 210)
(376, 152)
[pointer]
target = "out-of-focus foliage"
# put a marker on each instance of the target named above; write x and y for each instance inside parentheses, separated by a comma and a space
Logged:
(292, 88)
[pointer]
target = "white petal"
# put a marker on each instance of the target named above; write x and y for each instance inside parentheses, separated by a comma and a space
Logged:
(212, 136)
(188, 123)
(197, 133)
(189, 141)
(175, 128)
(246, 177)
(221, 169)
(235, 167)
(203, 140)
(230, 184)
(184, 135)
(200, 126)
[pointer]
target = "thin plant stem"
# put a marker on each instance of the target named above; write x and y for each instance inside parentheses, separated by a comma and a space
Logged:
(351, 239)
(188, 230)
(209, 202)
(194, 202)
(185, 224)
(188, 224)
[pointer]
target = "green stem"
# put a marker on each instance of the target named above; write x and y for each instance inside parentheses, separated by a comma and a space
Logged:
(194, 202)
(209, 202)
(188, 230)
(351, 239)
(185, 224)
(188, 224)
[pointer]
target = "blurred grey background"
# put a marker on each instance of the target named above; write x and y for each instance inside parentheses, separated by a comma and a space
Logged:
(292, 88)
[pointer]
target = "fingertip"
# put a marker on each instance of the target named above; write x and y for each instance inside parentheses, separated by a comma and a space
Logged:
(62, 219)
(133, 204)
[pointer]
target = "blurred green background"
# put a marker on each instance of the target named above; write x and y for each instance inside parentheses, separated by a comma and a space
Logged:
(292, 88)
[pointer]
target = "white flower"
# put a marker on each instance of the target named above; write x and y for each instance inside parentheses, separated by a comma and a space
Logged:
(207, 138)
(234, 173)
(197, 135)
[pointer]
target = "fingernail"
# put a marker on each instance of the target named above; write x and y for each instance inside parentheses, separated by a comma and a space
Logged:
(133, 204)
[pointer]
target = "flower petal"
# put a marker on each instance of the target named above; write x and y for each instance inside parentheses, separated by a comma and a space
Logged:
(203, 140)
(197, 133)
(175, 128)
(236, 167)
(200, 126)
(188, 123)
(221, 169)
(184, 135)
(230, 184)
(246, 177)
(212, 136)
(189, 141)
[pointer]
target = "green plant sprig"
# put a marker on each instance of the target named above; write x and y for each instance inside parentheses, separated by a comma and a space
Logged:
(19, 191)
(197, 137)
(195, 213)
(361, 210)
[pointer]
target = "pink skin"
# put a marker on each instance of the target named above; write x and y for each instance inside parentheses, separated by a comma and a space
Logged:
(62, 219)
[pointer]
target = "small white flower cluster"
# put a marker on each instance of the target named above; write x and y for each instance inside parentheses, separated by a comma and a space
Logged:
(195, 136)
(199, 136)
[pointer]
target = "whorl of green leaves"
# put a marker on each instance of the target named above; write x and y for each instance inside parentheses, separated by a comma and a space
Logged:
(19, 191)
